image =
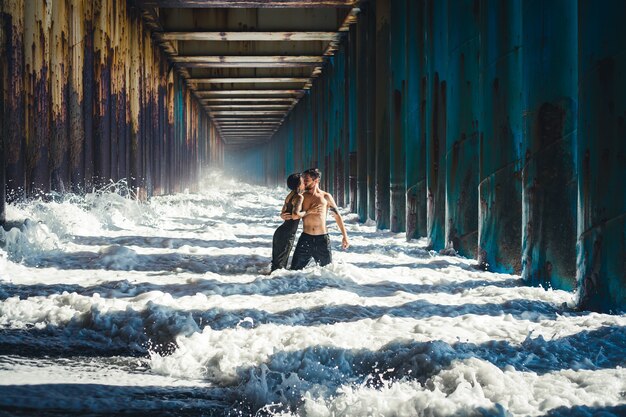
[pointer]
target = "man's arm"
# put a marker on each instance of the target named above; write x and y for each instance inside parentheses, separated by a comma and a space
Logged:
(298, 213)
(334, 211)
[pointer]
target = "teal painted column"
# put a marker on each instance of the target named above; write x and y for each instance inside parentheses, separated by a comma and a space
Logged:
(437, 51)
(331, 132)
(351, 82)
(601, 247)
(462, 132)
(382, 114)
(550, 79)
(362, 85)
(415, 148)
(500, 194)
(371, 112)
(398, 119)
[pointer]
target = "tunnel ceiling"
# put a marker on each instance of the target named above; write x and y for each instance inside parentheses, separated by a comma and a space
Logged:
(248, 62)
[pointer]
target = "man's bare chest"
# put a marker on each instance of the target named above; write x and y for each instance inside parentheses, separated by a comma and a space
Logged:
(313, 201)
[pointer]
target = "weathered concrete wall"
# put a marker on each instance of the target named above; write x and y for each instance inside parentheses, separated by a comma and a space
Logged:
(89, 98)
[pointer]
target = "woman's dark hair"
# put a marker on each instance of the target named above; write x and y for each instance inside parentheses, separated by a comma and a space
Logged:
(293, 181)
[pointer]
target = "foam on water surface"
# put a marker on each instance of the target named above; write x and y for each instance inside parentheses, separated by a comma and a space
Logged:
(109, 305)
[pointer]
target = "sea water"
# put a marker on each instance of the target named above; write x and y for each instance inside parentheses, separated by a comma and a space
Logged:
(113, 306)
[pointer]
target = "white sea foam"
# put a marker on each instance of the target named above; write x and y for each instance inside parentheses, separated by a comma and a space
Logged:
(104, 299)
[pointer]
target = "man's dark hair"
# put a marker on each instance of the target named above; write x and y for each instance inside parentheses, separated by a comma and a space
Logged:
(313, 173)
(293, 181)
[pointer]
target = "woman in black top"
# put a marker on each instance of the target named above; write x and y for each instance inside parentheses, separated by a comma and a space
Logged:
(286, 232)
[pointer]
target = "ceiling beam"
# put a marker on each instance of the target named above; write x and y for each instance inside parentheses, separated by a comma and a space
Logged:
(248, 112)
(246, 123)
(253, 65)
(248, 80)
(204, 93)
(245, 3)
(209, 101)
(249, 106)
(231, 117)
(250, 36)
(247, 59)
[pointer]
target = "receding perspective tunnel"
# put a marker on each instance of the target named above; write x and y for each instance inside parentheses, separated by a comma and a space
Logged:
(494, 129)
(489, 130)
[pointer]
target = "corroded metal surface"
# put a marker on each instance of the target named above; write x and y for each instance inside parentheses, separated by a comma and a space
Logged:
(13, 97)
(550, 80)
(602, 157)
(462, 132)
(398, 99)
(3, 127)
(87, 100)
(37, 20)
(382, 114)
(362, 153)
(500, 217)
(437, 51)
(415, 131)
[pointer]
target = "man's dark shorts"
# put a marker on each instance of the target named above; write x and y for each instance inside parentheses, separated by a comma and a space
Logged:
(311, 246)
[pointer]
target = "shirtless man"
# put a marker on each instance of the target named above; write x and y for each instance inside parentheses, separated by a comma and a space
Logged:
(314, 241)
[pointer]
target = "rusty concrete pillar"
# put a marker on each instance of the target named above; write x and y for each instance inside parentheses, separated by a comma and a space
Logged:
(102, 85)
(462, 131)
(601, 155)
(37, 87)
(170, 130)
(13, 98)
(117, 30)
(76, 114)
(371, 111)
(59, 89)
(3, 127)
(135, 101)
(437, 50)
(383, 13)
(362, 50)
(398, 114)
(415, 139)
(351, 120)
(88, 101)
(500, 209)
(550, 79)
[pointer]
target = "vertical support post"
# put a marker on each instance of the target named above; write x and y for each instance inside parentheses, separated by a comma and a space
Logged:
(135, 151)
(602, 156)
(382, 114)
(398, 99)
(437, 27)
(361, 110)
(76, 138)
(102, 84)
(500, 209)
(550, 71)
(59, 76)
(117, 86)
(351, 120)
(37, 62)
(415, 149)
(462, 136)
(3, 127)
(88, 95)
(13, 98)
(371, 112)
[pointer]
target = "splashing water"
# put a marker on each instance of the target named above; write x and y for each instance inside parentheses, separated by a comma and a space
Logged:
(111, 306)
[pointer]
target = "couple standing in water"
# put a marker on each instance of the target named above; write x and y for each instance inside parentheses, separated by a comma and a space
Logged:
(307, 202)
